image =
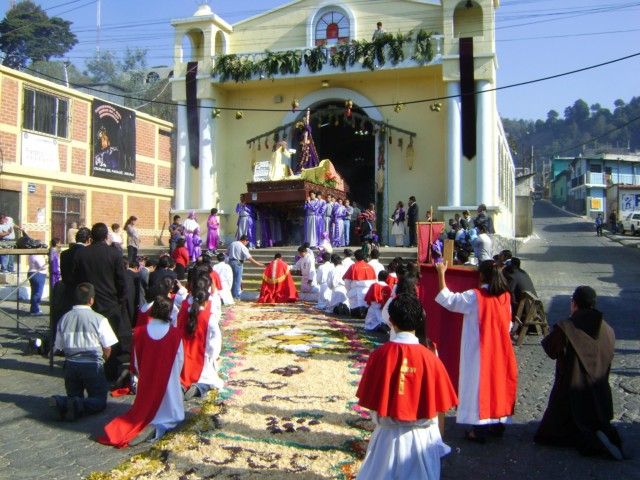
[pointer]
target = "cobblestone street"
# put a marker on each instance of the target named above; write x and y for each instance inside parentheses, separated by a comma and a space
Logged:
(564, 252)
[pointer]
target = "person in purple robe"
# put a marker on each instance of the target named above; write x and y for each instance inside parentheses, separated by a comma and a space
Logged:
(311, 206)
(213, 224)
(244, 218)
(320, 209)
(337, 224)
(252, 224)
(266, 238)
(197, 245)
(190, 225)
(54, 263)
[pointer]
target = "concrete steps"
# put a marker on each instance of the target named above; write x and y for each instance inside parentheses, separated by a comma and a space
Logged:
(252, 274)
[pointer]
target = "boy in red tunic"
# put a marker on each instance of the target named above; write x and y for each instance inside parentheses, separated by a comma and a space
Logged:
(405, 386)
(158, 358)
(277, 283)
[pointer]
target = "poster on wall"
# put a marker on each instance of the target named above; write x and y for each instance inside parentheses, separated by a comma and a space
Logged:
(630, 202)
(596, 204)
(113, 141)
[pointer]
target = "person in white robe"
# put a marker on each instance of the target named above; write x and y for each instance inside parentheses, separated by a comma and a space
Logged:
(322, 278)
(374, 313)
(336, 284)
(306, 265)
(375, 262)
(357, 289)
(223, 269)
(466, 303)
(347, 260)
(171, 410)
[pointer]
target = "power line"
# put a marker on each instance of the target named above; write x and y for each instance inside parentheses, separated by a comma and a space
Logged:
(410, 102)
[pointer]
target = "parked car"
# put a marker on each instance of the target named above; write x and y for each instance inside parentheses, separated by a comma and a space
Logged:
(631, 223)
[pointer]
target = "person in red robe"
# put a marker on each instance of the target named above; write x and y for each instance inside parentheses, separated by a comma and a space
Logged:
(406, 387)
(157, 359)
(357, 279)
(277, 283)
(488, 371)
(198, 321)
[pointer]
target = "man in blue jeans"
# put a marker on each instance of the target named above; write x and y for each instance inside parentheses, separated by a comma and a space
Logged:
(238, 253)
(86, 339)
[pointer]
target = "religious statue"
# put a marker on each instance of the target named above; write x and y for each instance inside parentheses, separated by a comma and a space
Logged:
(280, 162)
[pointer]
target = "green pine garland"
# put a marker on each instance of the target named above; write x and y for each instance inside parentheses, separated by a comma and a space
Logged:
(369, 54)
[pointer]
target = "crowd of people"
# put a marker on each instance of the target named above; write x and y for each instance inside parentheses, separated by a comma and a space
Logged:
(135, 326)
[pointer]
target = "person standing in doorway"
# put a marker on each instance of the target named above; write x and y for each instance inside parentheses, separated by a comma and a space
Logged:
(133, 239)
(7, 233)
(412, 218)
(238, 253)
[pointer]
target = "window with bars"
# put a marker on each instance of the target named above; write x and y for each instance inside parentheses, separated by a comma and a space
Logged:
(65, 210)
(45, 113)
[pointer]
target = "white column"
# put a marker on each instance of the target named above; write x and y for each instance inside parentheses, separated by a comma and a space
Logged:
(485, 171)
(206, 154)
(182, 159)
(454, 145)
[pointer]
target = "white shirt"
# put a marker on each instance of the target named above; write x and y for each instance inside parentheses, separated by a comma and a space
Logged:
(377, 266)
(347, 262)
(307, 267)
(37, 264)
(238, 251)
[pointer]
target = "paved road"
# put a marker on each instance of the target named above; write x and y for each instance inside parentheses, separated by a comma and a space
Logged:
(563, 253)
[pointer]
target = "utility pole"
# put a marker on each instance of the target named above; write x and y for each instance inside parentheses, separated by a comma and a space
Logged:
(98, 24)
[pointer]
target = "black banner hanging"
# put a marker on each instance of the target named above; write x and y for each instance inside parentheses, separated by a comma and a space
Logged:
(467, 89)
(193, 119)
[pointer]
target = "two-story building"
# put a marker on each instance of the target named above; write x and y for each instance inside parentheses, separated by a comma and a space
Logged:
(69, 157)
(409, 111)
(592, 173)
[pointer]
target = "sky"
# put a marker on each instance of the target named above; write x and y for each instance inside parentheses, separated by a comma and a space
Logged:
(534, 39)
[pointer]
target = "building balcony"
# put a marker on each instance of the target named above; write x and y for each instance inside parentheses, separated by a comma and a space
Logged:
(355, 57)
(622, 178)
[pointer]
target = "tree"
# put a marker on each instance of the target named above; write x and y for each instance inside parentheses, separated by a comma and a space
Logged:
(27, 34)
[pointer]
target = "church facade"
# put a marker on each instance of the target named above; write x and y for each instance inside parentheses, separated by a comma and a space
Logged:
(405, 108)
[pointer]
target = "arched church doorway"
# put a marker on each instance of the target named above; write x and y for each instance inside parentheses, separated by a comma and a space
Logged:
(349, 142)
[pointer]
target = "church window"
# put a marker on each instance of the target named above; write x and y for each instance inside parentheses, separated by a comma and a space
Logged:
(332, 28)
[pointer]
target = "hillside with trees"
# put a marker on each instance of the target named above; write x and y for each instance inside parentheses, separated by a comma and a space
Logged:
(580, 124)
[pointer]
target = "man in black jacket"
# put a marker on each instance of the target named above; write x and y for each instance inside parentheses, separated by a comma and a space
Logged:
(163, 270)
(64, 298)
(101, 265)
(519, 282)
(412, 218)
